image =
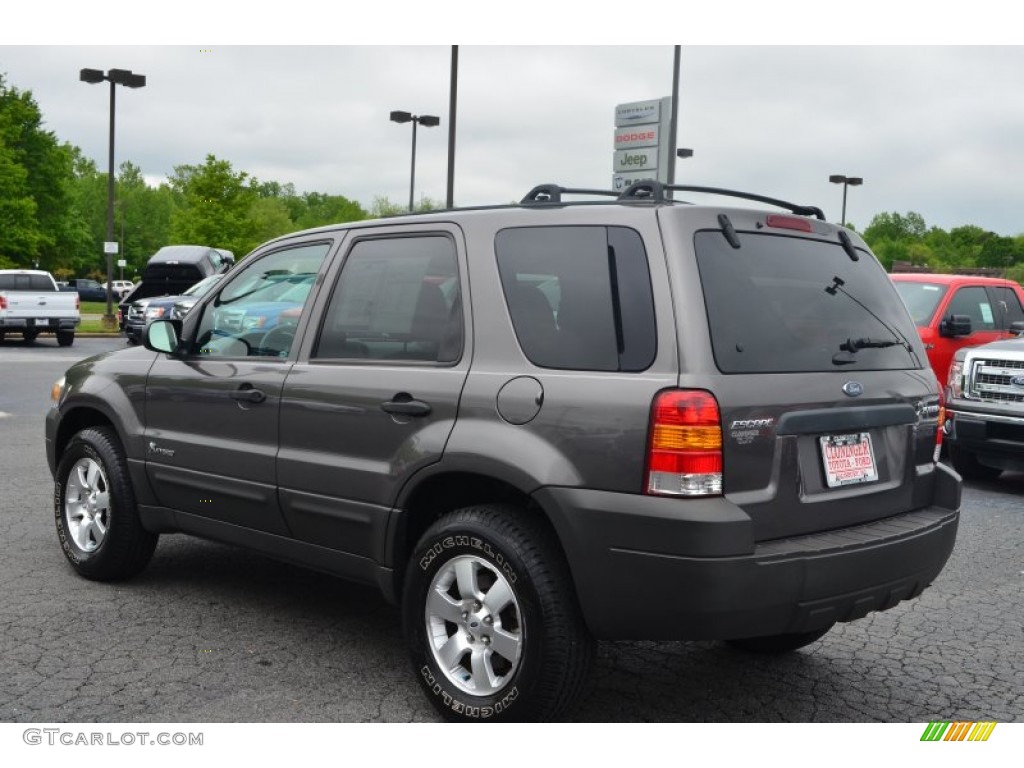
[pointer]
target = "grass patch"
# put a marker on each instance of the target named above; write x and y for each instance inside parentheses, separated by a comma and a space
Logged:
(95, 326)
(96, 307)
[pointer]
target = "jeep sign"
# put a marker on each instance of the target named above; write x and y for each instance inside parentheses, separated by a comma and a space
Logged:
(636, 160)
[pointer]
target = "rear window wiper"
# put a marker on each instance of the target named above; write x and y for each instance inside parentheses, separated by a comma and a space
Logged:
(852, 345)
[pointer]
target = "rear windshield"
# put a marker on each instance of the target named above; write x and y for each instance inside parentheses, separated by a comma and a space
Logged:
(14, 282)
(785, 304)
(921, 299)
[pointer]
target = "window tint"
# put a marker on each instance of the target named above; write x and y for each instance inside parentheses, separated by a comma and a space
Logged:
(396, 299)
(579, 297)
(256, 314)
(1009, 306)
(974, 302)
(787, 304)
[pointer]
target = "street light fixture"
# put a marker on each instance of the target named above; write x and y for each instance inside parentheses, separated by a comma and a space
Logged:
(427, 121)
(851, 181)
(128, 79)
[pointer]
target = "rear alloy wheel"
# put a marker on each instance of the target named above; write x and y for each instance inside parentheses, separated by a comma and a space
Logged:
(968, 466)
(771, 644)
(491, 620)
(94, 508)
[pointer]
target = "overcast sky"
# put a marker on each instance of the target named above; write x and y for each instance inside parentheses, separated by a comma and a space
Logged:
(938, 130)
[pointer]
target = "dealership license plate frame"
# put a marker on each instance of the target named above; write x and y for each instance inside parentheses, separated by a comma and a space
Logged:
(845, 471)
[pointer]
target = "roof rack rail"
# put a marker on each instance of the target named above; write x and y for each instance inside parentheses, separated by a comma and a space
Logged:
(655, 190)
(552, 193)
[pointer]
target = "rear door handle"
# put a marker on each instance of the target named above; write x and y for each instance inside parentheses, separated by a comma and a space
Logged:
(248, 394)
(403, 403)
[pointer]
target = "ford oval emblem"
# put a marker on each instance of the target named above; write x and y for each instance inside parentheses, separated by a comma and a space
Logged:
(853, 388)
(1017, 381)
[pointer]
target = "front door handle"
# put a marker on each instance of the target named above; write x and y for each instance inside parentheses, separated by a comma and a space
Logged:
(404, 404)
(247, 393)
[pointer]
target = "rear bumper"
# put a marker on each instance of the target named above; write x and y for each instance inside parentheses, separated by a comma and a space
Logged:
(20, 324)
(651, 568)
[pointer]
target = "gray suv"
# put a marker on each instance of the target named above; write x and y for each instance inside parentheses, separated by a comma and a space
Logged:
(533, 426)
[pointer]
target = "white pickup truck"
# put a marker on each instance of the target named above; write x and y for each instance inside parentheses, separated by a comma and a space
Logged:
(30, 304)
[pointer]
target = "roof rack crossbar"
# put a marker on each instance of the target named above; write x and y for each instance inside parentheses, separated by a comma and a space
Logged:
(655, 190)
(552, 193)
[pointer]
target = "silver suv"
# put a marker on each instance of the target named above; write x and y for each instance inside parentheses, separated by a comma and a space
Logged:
(534, 426)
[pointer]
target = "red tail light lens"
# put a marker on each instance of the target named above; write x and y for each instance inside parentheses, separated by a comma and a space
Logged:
(684, 454)
(940, 431)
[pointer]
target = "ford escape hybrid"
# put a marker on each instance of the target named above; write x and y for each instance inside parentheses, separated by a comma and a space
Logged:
(533, 426)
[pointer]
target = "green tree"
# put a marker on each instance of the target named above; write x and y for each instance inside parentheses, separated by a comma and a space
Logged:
(35, 180)
(213, 206)
(319, 209)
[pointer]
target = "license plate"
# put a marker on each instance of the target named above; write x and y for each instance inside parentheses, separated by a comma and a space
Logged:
(848, 459)
(40, 321)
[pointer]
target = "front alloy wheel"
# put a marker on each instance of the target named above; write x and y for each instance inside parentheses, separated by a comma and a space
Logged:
(95, 511)
(87, 504)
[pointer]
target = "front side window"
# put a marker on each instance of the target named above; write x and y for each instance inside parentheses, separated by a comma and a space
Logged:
(579, 297)
(973, 301)
(257, 313)
(397, 298)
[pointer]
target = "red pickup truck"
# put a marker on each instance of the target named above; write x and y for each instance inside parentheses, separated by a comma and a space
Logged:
(954, 311)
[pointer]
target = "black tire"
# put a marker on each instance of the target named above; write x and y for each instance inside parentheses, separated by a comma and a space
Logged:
(65, 338)
(967, 464)
(103, 539)
(527, 609)
(772, 644)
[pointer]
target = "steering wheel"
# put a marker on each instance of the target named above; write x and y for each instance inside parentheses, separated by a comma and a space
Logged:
(277, 342)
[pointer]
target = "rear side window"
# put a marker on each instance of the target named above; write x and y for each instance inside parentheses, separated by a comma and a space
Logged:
(785, 304)
(397, 299)
(1009, 306)
(579, 297)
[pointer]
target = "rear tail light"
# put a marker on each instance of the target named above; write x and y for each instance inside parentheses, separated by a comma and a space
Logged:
(78, 301)
(3, 302)
(684, 453)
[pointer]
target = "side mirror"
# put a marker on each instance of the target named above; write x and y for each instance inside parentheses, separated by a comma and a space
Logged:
(955, 325)
(1017, 327)
(161, 336)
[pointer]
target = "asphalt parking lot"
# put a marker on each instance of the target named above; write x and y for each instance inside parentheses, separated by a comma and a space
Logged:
(210, 633)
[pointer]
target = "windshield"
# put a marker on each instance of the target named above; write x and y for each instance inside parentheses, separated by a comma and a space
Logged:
(787, 304)
(202, 286)
(921, 299)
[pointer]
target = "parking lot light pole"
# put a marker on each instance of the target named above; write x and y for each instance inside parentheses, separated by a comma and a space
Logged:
(128, 79)
(427, 121)
(846, 181)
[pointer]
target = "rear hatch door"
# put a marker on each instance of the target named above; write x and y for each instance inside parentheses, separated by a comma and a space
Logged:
(829, 411)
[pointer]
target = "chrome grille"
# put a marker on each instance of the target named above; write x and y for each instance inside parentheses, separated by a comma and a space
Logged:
(998, 380)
